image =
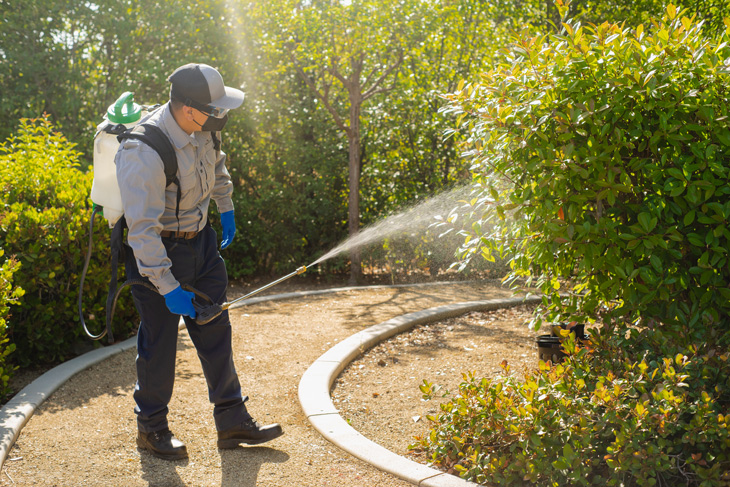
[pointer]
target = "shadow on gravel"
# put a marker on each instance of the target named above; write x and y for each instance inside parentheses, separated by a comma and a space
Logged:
(498, 335)
(409, 299)
(428, 345)
(161, 473)
(398, 300)
(115, 376)
(241, 465)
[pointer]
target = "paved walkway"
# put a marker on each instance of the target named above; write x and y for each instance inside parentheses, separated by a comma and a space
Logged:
(84, 433)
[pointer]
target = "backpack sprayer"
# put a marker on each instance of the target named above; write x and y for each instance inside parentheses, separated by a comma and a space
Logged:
(122, 119)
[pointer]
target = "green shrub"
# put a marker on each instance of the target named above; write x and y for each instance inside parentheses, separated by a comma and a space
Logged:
(44, 219)
(603, 155)
(605, 417)
(9, 295)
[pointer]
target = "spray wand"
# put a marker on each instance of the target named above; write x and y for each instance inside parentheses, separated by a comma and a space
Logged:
(209, 312)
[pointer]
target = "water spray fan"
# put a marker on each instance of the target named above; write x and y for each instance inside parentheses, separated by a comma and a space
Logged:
(208, 312)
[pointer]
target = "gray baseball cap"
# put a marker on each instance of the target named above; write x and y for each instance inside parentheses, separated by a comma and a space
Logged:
(203, 85)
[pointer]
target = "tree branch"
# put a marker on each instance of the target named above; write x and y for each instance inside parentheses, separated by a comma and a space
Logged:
(323, 97)
(369, 76)
(335, 72)
(375, 89)
(372, 93)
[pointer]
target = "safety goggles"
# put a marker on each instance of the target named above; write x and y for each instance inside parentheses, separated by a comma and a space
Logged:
(215, 112)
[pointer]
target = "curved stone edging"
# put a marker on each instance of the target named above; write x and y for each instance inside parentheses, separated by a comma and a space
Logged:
(21, 407)
(16, 412)
(317, 381)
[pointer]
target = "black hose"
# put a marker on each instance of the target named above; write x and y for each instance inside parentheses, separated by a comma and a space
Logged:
(83, 277)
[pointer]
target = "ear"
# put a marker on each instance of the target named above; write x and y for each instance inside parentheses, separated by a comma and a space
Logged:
(188, 113)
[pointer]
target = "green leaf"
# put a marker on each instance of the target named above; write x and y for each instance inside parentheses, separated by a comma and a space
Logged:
(656, 263)
(644, 221)
(561, 464)
(568, 452)
(676, 173)
(725, 292)
(723, 135)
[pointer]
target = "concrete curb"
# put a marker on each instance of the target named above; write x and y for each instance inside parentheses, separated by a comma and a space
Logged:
(21, 407)
(316, 383)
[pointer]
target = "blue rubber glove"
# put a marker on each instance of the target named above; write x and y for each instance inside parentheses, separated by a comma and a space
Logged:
(229, 228)
(180, 302)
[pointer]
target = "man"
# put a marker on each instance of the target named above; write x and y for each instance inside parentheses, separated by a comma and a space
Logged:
(173, 245)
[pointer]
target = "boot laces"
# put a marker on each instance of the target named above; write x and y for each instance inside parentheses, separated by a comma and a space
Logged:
(162, 434)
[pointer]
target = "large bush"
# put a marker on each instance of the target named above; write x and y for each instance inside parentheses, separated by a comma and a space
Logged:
(602, 158)
(613, 147)
(9, 295)
(44, 217)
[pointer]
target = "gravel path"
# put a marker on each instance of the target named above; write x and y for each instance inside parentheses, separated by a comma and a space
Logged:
(84, 435)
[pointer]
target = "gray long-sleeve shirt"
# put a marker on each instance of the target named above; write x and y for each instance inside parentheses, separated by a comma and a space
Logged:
(149, 207)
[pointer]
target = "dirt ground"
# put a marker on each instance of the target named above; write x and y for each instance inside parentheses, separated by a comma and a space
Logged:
(84, 434)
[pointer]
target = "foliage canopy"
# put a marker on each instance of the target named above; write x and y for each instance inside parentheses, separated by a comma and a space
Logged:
(601, 153)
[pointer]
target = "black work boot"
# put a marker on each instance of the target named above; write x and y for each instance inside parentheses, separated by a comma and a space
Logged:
(248, 432)
(162, 444)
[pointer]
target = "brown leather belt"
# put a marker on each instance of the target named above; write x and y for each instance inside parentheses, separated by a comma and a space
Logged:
(173, 234)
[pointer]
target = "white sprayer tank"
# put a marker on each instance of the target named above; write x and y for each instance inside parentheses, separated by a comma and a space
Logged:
(105, 189)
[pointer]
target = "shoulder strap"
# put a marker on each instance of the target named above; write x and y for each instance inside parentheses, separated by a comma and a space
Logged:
(216, 142)
(154, 137)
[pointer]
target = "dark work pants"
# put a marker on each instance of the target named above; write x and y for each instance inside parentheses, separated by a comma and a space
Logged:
(195, 262)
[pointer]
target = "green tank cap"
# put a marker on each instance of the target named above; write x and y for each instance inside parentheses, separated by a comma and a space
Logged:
(124, 110)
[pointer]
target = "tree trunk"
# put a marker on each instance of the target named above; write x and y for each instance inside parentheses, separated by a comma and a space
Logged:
(353, 85)
(354, 174)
